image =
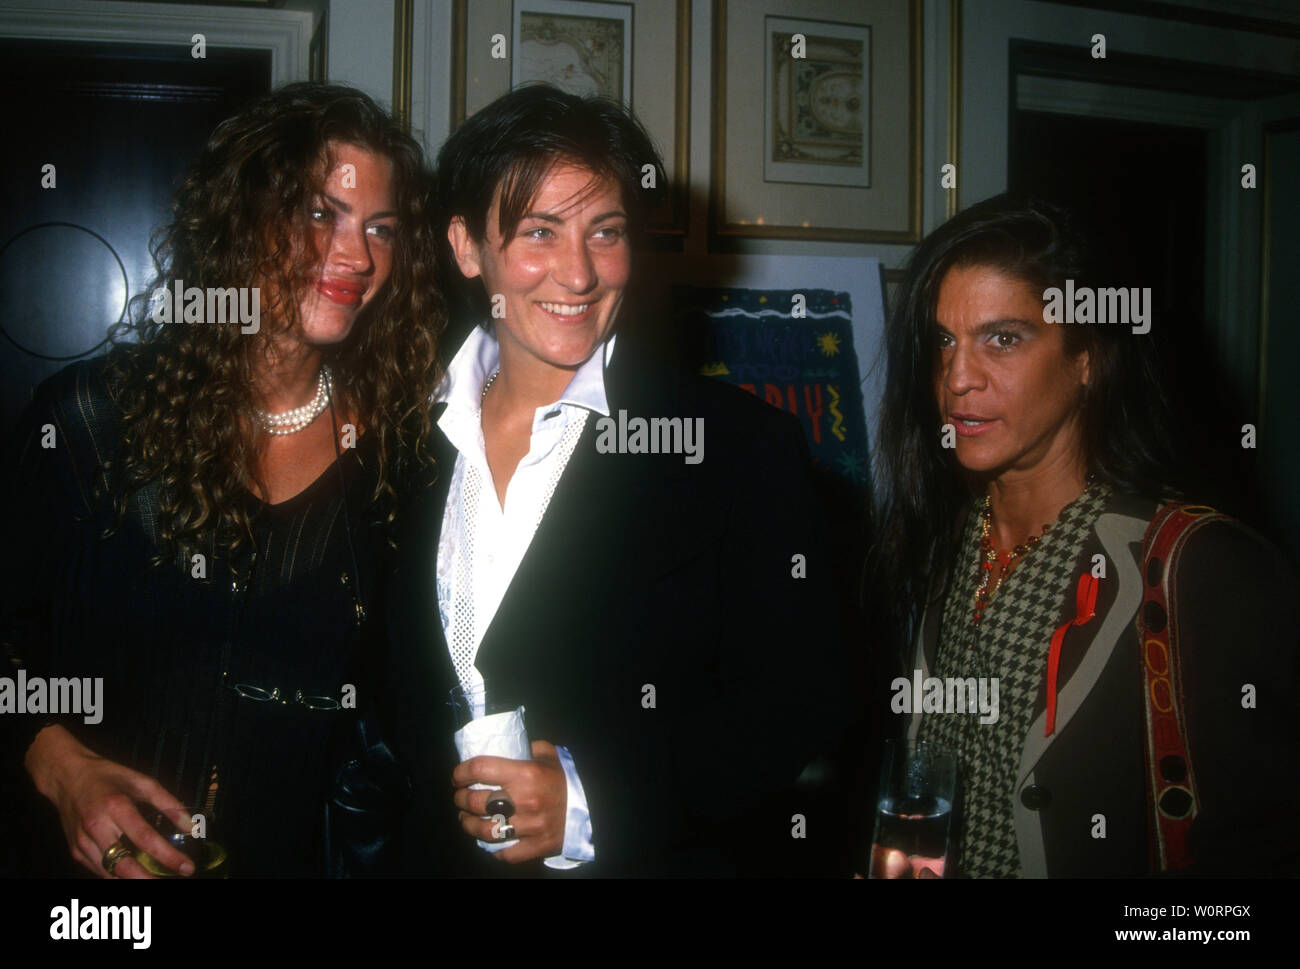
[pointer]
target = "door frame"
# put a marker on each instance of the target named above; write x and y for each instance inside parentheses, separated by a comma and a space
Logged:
(286, 34)
(1275, 126)
(1231, 294)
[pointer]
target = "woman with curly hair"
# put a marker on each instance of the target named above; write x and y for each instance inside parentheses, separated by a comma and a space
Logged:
(205, 509)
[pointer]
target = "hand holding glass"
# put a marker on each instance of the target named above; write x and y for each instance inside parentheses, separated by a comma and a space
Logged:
(209, 857)
(918, 781)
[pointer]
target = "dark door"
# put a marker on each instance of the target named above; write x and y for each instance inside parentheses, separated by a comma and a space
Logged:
(1139, 191)
(119, 123)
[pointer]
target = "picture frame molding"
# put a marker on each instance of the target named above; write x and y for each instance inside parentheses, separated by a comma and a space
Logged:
(678, 223)
(719, 228)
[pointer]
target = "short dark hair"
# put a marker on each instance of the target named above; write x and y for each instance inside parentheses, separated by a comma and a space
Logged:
(513, 144)
(1123, 413)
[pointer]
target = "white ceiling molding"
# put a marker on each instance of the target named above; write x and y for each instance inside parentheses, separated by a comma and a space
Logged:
(285, 33)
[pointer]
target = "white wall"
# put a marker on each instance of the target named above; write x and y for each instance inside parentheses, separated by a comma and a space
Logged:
(432, 95)
(361, 46)
(361, 39)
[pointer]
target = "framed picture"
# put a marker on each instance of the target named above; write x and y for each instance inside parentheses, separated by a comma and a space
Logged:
(582, 48)
(817, 93)
(837, 153)
(638, 52)
(318, 50)
(771, 281)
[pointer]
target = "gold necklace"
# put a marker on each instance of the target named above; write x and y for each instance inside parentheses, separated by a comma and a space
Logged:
(989, 555)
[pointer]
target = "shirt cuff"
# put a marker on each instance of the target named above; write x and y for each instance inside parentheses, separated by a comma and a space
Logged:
(578, 847)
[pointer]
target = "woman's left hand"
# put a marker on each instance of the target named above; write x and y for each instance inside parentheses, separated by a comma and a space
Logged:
(539, 792)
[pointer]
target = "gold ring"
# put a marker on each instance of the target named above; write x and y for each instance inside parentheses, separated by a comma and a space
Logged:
(113, 854)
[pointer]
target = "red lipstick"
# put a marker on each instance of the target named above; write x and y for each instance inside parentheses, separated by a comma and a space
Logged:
(342, 291)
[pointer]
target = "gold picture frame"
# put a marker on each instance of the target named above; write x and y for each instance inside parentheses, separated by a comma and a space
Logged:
(661, 61)
(318, 50)
(742, 203)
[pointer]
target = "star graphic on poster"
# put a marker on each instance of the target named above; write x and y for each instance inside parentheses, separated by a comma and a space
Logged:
(829, 344)
(851, 463)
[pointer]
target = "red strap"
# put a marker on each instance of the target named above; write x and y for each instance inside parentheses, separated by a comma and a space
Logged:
(1085, 607)
(1171, 780)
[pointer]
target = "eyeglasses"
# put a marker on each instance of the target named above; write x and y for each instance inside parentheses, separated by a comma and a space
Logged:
(249, 692)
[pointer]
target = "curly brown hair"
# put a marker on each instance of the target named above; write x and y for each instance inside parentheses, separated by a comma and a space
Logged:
(238, 217)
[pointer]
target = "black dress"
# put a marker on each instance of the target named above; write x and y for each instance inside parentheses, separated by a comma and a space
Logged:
(185, 650)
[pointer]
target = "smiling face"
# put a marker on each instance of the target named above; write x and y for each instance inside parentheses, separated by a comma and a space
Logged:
(353, 225)
(1003, 377)
(562, 271)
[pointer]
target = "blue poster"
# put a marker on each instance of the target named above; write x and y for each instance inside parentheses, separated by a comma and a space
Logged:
(794, 349)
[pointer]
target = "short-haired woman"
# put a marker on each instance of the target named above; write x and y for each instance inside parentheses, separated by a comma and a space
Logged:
(644, 608)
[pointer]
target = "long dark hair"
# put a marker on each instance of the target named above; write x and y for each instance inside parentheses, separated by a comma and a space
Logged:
(924, 490)
(238, 219)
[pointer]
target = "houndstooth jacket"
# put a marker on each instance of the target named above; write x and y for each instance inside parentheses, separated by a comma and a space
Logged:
(1237, 612)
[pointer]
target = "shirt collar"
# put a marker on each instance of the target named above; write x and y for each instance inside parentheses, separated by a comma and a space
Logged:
(479, 356)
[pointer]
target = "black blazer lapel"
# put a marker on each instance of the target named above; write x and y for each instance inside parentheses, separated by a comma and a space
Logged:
(579, 543)
(592, 542)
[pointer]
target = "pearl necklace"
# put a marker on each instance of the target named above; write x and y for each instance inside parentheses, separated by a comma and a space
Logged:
(292, 421)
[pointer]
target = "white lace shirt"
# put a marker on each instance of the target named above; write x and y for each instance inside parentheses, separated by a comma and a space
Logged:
(483, 541)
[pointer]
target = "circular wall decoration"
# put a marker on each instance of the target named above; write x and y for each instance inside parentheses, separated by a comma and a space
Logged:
(63, 287)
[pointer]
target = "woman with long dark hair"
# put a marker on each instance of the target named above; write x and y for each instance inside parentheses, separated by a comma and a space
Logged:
(1032, 550)
(204, 529)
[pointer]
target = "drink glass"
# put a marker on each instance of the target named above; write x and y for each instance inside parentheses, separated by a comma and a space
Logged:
(918, 781)
(209, 857)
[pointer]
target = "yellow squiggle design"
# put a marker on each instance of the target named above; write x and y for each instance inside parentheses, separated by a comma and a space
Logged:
(837, 428)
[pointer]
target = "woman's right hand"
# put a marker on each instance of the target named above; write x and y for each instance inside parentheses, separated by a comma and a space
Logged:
(96, 800)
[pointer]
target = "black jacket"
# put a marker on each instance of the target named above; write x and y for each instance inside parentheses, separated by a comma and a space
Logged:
(645, 572)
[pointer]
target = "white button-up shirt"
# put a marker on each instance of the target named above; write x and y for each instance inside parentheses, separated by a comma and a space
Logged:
(483, 541)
